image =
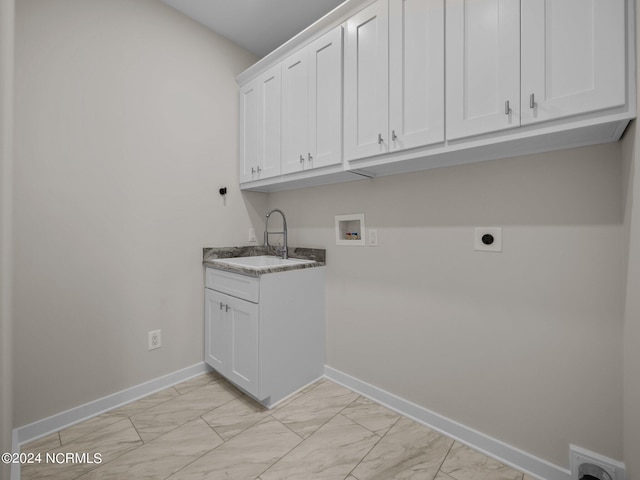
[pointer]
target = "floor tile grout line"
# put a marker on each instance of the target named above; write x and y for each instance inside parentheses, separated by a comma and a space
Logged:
(290, 429)
(172, 387)
(216, 447)
(302, 440)
(118, 456)
(159, 436)
(444, 459)
(325, 423)
(372, 447)
(109, 413)
(366, 428)
(181, 425)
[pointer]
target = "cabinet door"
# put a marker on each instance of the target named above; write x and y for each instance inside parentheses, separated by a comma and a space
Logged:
(573, 57)
(295, 112)
(366, 105)
(216, 332)
(483, 66)
(269, 126)
(243, 342)
(249, 122)
(325, 100)
(416, 73)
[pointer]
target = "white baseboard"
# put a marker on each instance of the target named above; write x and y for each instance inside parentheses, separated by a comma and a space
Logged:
(46, 426)
(507, 454)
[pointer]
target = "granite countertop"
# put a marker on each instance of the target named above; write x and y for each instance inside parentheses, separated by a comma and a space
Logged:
(210, 255)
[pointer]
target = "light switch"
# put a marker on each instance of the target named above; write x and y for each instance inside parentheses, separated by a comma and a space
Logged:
(372, 237)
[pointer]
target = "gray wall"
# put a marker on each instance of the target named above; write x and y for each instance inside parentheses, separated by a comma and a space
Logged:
(6, 126)
(523, 345)
(126, 126)
(631, 190)
(632, 307)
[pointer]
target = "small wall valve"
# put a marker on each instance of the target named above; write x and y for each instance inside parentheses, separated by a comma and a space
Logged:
(223, 191)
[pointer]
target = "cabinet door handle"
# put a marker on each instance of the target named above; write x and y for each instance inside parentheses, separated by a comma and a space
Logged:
(394, 137)
(507, 108)
(380, 140)
(301, 159)
(309, 157)
(221, 305)
(253, 170)
(258, 169)
(226, 308)
(532, 100)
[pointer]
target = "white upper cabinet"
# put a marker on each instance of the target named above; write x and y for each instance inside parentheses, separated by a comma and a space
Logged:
(325, 99)
(260, 127)
(428, 83)
(513, 63)
(248, 154)
(573, 57)
(366, 82)
(483, 66)
(312, 105)
(394, 77)
(416, 73)
(295, 111)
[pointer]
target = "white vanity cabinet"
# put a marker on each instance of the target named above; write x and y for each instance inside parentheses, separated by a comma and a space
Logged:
(515, 63)
(312, 105)
(266, 334)
(260, 127)
(394, 77)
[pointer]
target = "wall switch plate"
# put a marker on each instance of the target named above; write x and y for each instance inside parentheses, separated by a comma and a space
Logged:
(372, 237)
(252, 235)
(155, 339)
(488, 239)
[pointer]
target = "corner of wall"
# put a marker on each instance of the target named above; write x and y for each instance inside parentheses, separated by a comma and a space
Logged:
(6, 133)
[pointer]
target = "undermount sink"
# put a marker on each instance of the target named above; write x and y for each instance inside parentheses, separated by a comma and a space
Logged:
(262, 261)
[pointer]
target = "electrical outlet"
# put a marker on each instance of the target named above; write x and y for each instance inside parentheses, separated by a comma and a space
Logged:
(252, 235)
(488, 239)
(155, 339)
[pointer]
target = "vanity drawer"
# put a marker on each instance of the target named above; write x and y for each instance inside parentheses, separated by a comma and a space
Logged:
(234, 284)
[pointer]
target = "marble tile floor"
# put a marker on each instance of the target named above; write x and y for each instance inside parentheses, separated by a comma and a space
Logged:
(206, 429)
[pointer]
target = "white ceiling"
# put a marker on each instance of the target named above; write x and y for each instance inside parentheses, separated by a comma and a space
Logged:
(260, 26)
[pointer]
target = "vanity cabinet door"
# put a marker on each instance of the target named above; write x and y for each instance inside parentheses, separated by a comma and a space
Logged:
(416, 73)
(232, 339)
(573, 57)
(215, 330)
(483, 66)
(242, 319)
(366, 82)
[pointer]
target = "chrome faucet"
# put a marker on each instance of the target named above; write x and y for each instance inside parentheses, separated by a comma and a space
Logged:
(281, 251)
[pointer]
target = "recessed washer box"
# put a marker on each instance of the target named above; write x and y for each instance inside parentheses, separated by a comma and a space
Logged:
(350, 230)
